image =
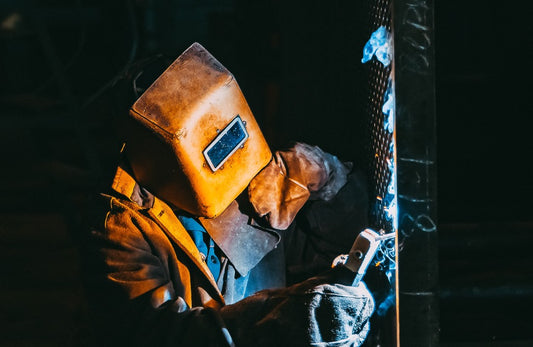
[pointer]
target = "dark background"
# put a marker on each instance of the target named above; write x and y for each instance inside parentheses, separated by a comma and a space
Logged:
(64, 68)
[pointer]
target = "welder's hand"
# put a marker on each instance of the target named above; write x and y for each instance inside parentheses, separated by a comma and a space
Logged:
(294, 176)
(314, 312)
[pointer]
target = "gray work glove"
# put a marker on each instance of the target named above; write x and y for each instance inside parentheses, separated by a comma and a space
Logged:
(315, 312)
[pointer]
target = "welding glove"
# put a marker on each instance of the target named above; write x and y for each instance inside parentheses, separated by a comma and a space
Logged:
(315, 312)
(294, 176)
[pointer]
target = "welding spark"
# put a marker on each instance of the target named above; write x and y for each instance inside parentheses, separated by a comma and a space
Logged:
(390, 206)
(388, 249)
(391, 210)
(378, 45)
(385, 258)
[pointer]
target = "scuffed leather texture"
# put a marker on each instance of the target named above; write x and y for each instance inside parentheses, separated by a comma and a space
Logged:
(293, 176)
(143, 288)
(243, 243)
(275, 196)
(176, 119)
(316, 312)
(140, 282)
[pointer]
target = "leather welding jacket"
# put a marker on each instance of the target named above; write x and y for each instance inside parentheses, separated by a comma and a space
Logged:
(148, 284)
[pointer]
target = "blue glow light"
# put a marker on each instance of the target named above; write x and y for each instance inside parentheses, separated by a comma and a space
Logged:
(389, 301)
(379, 46)
(391, 210)
(391, 207)
(391, 189)
(388, 108)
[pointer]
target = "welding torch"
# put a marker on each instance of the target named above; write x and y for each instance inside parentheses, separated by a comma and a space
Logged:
(361, 254)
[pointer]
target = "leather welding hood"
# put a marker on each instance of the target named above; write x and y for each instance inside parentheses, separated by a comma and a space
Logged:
(192, 139)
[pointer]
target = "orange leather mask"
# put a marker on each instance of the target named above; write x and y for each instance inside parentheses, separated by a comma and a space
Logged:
(193, 140)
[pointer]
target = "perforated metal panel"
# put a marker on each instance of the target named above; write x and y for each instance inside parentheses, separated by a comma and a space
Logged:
(378, 158)
(379, 142)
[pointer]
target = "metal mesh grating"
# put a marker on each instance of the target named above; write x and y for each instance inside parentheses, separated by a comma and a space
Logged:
(379, 142)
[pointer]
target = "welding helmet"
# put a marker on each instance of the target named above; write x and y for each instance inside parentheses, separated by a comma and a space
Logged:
(192, 139)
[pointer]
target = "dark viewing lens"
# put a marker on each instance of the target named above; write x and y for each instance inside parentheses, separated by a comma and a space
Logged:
(225, 145)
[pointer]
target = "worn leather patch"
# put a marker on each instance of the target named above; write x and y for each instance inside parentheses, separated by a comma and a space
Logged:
(276, 197)
(243, 243)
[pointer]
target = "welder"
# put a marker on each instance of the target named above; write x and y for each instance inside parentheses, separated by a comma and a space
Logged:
(208, 238)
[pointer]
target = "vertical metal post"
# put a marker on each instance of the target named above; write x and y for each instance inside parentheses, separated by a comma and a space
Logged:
(416, 170)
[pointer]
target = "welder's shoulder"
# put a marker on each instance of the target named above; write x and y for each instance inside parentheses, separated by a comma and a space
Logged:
(112, 214)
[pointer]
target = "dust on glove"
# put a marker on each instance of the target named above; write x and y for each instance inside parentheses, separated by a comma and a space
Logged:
(315, 312)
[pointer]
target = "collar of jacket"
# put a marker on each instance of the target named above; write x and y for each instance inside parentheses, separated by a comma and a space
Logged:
(241, 239)
(162, 214)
